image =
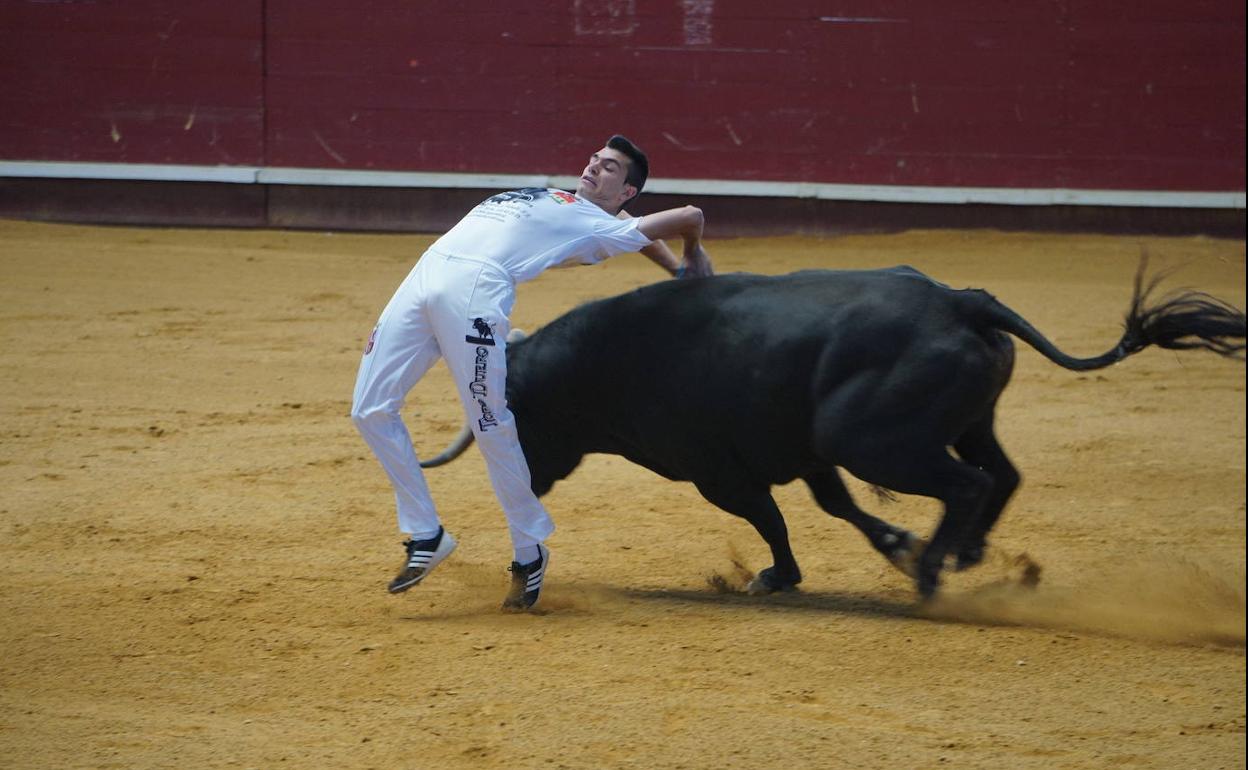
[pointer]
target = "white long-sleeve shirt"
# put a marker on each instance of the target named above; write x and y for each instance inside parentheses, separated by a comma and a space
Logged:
(528, 231)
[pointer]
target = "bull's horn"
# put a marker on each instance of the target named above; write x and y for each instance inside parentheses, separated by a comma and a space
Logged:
(456, 449)
(515, 335)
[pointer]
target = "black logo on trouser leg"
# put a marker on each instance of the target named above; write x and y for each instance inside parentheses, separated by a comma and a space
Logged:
(488, 420)
(484, 334)
(480, 391)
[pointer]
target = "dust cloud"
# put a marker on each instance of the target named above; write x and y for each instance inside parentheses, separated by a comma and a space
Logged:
(1173, 602)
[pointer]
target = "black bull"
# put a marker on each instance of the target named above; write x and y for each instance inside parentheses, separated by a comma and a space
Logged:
(740, 382)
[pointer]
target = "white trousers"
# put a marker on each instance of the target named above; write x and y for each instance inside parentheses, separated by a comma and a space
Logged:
(456, 308)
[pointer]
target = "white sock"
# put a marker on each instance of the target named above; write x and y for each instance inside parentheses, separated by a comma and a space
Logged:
(527, 554)
(418, 536)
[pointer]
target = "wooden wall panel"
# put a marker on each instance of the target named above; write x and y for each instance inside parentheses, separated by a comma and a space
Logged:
(140, 81)
(1095, 94)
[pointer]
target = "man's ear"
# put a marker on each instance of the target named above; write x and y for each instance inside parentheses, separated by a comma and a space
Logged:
(629, 192)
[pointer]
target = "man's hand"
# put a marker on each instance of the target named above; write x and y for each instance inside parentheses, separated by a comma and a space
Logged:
(685, 223)
(697, 262)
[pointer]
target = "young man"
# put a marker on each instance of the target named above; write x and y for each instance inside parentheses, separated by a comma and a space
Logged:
(455, 304)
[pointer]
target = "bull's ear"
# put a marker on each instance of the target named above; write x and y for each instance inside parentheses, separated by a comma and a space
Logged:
(515, 335)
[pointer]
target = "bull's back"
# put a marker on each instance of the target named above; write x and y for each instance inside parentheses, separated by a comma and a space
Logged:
(730, 367)
(761, 341)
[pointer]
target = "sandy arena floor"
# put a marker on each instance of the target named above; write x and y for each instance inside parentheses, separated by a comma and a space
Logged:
(194, 542)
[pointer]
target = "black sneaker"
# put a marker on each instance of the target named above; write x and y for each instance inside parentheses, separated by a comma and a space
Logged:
(422, 557)
(526, 581)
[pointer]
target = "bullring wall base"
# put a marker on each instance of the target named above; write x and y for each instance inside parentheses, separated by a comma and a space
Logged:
(432, 210)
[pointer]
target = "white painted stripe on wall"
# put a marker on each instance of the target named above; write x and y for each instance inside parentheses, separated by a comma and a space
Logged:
(845, 192)
(132, 171)
(335, 178)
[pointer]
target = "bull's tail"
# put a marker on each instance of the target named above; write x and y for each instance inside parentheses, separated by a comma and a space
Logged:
(1181, 320)
(457, 447)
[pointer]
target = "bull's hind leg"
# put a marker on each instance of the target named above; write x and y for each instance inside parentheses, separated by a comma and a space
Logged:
(898, 545)
(909, 470)
(756, 505)
(979, 447)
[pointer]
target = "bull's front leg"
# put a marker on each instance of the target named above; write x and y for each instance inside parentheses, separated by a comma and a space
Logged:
(783, 574)
(759, 508)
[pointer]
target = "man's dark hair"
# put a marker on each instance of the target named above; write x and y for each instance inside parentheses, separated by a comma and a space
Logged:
(638, 167)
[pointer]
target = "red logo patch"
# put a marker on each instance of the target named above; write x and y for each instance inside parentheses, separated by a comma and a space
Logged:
(562, 197)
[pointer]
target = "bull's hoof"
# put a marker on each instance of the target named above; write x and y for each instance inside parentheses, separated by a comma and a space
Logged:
(970, 557)
(928, 581)
(928, 588)
(903, 549)
(767, 582)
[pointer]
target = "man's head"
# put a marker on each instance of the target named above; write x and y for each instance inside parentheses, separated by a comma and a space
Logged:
(615, 175)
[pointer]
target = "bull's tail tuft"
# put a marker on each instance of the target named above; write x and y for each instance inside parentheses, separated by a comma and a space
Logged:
(1183, 320)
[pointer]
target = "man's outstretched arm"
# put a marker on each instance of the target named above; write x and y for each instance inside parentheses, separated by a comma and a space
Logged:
(685, 223)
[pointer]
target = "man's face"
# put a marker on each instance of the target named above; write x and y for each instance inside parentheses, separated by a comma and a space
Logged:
(603, 181)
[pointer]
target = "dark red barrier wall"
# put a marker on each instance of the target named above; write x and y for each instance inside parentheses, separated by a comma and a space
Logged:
(136, 82)
(1096, 94)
